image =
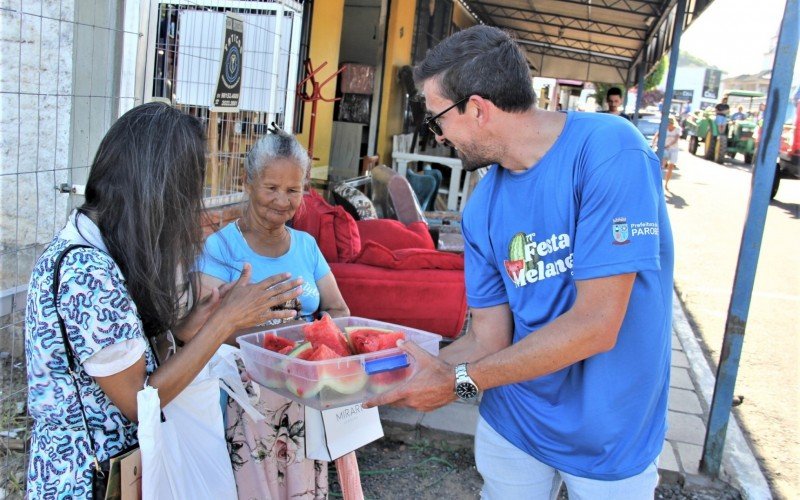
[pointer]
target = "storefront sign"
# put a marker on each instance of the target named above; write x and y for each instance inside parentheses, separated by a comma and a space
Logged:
(683, 95)
(711, 83)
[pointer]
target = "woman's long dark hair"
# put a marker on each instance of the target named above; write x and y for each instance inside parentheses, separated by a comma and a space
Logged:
(145, 192)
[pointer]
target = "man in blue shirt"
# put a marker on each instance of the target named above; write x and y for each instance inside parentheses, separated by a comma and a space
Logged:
(739, 115)
(568, 265)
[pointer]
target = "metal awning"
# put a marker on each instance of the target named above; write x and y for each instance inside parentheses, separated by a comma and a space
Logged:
(588, 40)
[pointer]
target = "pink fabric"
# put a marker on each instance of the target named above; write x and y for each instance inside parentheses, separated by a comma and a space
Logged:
(395, 235)
(375, 254)
(268, 456)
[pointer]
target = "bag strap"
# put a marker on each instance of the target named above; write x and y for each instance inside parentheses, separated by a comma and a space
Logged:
(72, 365)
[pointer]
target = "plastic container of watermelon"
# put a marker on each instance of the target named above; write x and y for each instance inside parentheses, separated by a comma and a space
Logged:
(333, 382)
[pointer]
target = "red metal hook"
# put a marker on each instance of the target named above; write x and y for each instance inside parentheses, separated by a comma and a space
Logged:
(314, 97)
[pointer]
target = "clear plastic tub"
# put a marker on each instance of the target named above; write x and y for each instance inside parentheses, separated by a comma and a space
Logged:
(335, 382)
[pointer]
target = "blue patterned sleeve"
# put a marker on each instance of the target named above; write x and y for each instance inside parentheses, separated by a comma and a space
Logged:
(97, 309)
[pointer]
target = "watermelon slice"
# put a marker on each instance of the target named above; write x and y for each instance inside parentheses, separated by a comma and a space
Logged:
(286, 350)
(321, 353)
(365, 340)
(276, 344)
(306, 381)
(272, 375)
(302, 379)
(344, 377)
(324, 331)
(382, 382)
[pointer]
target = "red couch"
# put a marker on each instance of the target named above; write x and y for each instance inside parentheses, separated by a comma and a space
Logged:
(386, 270)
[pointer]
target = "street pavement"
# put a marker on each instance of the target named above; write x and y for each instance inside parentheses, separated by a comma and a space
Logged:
(707, 204)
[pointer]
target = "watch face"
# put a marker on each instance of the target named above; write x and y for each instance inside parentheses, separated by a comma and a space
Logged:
(465, 390)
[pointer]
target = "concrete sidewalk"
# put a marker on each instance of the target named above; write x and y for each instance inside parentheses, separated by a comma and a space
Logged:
(691, 388)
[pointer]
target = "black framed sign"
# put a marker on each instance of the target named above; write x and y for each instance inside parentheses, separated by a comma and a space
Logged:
(229, 84)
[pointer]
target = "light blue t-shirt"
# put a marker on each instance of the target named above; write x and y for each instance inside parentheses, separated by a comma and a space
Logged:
(226, 251)
(592, 207)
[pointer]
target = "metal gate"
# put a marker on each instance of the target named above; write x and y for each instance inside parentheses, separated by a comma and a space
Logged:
(69, 69)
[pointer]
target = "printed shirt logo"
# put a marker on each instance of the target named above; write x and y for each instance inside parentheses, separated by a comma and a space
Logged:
(619, 228)
(526, 258)
(623, 232)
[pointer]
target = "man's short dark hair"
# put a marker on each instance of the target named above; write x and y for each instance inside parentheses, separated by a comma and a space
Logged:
(614, 91)
(483, 61)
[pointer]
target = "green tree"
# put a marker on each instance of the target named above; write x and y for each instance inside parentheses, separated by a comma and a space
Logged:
(652, 80)
(600, 89)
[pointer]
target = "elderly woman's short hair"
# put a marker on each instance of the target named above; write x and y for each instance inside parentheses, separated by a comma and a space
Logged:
(272, 147)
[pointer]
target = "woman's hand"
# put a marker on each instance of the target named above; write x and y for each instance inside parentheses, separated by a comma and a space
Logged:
(244, 304)
(200, 312)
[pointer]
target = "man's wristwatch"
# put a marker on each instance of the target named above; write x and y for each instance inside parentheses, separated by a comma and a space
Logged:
(465, 387)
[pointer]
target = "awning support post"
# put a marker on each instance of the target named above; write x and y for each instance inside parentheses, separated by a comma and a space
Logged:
(674, 53)
(763, 175)
(639, 89)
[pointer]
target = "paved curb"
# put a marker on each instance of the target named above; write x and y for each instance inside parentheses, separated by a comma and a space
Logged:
(739, 465)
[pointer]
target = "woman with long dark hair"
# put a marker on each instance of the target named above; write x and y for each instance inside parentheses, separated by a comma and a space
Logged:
(140, 231)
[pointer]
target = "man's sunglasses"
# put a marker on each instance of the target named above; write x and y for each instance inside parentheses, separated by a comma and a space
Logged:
(432, 121)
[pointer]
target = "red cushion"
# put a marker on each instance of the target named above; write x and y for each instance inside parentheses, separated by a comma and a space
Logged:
(348, 241)
(430, 299)
(395, 235)
(375, 254)
(334, 229)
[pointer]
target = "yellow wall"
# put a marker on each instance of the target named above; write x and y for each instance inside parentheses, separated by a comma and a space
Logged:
(399, 41)
(326, 34)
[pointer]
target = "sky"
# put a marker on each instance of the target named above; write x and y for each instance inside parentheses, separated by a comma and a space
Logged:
(734, 35)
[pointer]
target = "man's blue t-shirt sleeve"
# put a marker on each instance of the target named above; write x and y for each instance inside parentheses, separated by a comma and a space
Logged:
(618, 219)
(484, 283)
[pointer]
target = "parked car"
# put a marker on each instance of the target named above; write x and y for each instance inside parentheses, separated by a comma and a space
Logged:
(648, 125)
(788, 166)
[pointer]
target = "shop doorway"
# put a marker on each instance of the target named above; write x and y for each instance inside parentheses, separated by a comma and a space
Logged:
(361, 50)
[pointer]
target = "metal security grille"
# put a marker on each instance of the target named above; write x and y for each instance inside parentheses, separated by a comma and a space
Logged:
(68, 69)
(186, 66)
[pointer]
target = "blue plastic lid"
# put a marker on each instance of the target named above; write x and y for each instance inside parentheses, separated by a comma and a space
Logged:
(389, 363)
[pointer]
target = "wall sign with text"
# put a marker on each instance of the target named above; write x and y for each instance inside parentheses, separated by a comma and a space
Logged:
(229, 85)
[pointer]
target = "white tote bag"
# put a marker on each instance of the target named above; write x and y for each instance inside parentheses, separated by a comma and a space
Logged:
(185, 457)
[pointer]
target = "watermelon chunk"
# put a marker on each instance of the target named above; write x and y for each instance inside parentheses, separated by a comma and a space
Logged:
(272, 376)
(321, 353)
(301, 379)
(382, 382)
(365, 340)
(275, 344)
(286, 350)
(324, 331)
(344, 377)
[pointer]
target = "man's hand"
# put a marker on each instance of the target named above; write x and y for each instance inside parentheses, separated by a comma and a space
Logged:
(431, 387)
